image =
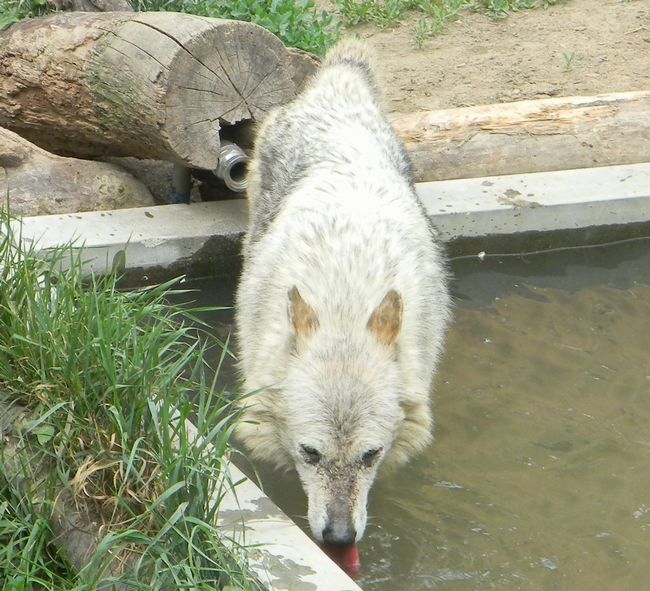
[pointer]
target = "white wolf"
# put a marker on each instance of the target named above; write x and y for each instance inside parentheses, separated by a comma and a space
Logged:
(342, 305)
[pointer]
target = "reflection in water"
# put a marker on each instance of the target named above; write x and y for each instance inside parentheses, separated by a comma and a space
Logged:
(540, 474)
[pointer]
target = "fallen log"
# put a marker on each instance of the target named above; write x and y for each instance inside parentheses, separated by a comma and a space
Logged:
(527, 136)
(35, 182)
(149, 85)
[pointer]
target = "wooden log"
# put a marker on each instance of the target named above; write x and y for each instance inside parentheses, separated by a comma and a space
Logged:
(304, 64)
(36, 182)
(528, 136)
(149, 85)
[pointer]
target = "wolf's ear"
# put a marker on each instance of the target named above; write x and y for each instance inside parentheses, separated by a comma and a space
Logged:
(385, 322)
(301, 314)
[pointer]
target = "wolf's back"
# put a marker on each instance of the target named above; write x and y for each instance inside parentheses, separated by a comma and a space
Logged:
(349, 51)
(318, 127)
(346, 77)
(354, 55)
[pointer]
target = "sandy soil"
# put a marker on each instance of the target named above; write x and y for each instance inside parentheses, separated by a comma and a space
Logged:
(580, 47)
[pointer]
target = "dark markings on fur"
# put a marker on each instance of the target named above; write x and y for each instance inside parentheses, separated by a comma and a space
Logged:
(362, 68)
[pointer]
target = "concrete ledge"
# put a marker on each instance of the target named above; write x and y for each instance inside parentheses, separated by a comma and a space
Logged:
(204, 239)
(538, 202)
(281, 555)
(150, 243)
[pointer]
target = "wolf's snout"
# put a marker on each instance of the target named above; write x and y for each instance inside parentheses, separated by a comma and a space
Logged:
(339, 533)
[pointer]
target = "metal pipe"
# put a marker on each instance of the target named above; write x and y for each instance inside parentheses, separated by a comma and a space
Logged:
(231, 166)
(181, 184)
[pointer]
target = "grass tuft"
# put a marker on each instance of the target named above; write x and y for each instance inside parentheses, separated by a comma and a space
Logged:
(11, 11)
(383, 13)
(436, 14)
(570, 60)
(499, 9)
(108, 379)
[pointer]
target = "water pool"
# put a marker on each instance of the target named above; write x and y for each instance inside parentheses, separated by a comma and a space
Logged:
(540, 474)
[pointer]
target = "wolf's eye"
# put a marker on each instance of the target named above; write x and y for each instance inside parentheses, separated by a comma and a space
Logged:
(370, 457)
(311, 455)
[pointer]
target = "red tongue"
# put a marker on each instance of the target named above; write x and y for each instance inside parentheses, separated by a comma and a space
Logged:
(347, 557)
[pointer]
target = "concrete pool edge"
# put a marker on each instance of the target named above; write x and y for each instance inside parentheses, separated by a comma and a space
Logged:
(154, 243)
(280, 554)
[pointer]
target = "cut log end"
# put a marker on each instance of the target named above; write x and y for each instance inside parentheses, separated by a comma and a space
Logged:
(149, 85)
(238, 75)
(197, 73)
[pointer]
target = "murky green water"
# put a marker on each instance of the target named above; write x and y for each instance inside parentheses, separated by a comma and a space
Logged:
(539, 478)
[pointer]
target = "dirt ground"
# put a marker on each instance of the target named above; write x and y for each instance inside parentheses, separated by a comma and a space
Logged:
(579, 47)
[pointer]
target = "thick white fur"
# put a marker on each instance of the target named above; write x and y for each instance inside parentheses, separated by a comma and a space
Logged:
(334, 214)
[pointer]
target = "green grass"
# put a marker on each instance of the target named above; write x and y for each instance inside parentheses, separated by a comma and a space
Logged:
(570, 61)
(12, 11)
(501, 8)
(435, 14)
(27, 558)
(109, 379)
(297, 22)
(383, 13)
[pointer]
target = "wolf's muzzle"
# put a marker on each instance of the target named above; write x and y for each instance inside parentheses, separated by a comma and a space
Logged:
(339, 533)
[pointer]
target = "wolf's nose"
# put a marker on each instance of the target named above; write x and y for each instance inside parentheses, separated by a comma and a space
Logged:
(339, 536)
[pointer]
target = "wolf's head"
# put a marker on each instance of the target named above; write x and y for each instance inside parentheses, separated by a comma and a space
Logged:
(342, 402)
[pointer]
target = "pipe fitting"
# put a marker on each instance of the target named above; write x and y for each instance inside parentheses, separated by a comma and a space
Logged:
(231, 166)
